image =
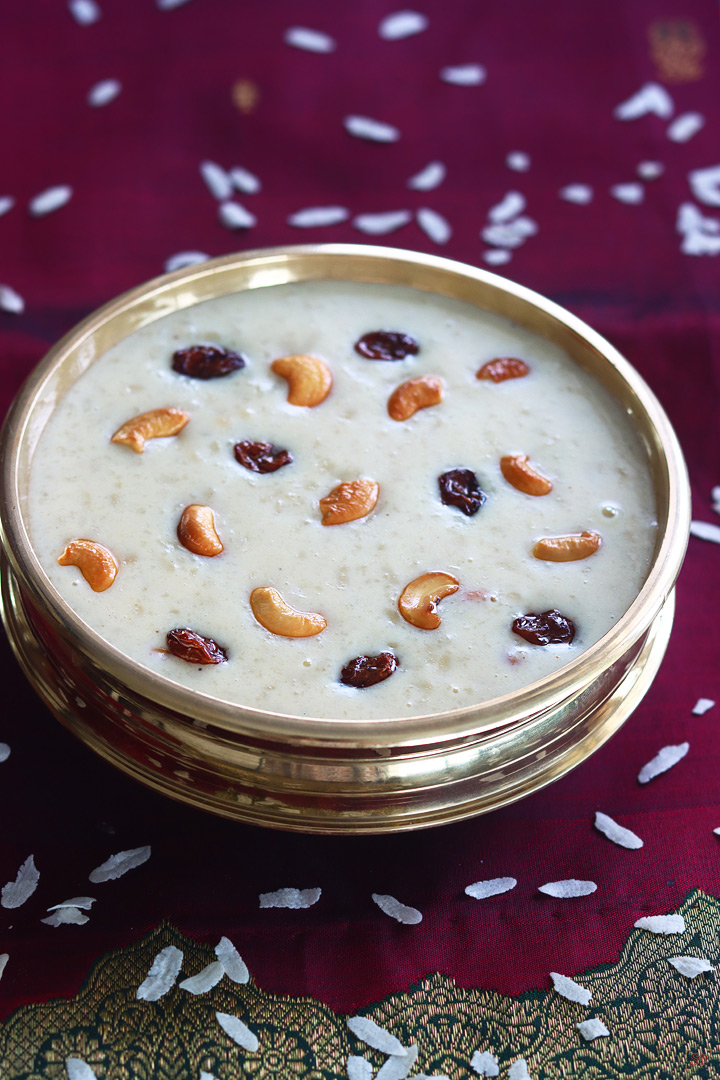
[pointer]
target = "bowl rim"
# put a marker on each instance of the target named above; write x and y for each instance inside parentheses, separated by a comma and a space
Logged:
(279, 265)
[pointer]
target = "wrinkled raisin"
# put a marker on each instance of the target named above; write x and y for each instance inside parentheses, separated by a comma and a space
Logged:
(196, 649)
(367, 670)
(386, 345)
(206, 361)
(459, 487)
(504, 367)
(549, 628)
(261, 457)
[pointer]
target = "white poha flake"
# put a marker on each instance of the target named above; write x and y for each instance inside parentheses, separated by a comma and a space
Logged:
(592, 1029)
(509, 207)
(700, 242)
(84, 12)
(367, 1031)
(511, 234)
(49, 200)
(663, 760)
(16, 892)
(217, 180)
(497, 257)
(364, 127)
(701, 235)
(6, 203)
(569, 887)
(631, 193)
(581, 194)
(685, 126)
(464, 75)
(232, 963)
(705, 185)
(571, 990)
(402, 24)
(4, 752)
(434, 225)
(519, 1070)
(701, 706)
(316, 216)
(239, 1032)
(4, 957)
(301, 37)
(380, 224)
(617, 833)
(234, 216)
(290, 898)
(245, 181)
(705, 530)
(206, 1075)
(428, 178)
(84, 902)
(77, 1069)
(102, 93)
(358, 1068)
(13, 303)
(162, 974)
(662, 924)
(168, 5)
(397, 1068)
(518, 161)
(650, 170)
(204, 980)
(690, 966)
(484, 1063)
(119, 864)
(435, 1076)
(392, 907)
(184, 259)
(491, 887)
(66, 916)
(651, 98)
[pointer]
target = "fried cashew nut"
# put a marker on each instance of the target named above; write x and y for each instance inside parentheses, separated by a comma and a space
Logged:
(196, 531)
(309, 379)
(567, 548)
(272, 612)
(156, 424)
(418, 600)
(96, 563)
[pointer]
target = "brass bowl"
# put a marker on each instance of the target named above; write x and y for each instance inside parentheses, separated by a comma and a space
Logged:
(333, 776)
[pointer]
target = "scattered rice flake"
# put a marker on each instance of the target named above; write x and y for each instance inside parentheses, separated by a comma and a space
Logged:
(119, 864)
(717, 831)
(497, 257)
(685, 126)
(301, 37)
(168, 5)
(631, 193)
(358, 1068)
(315, 216)
(700, 233)
(232, 963)
(701, 706)
(245, 181)
(206, 1075)
(184, 259)
(464, 75)
(428, 178)
(379, 224)
(402, 24)
(217, 180)
(705, 185)
(84, 902)
(290, 898)
(518, 161)
(715, 493)
(435, 1076)
(49, 200)
(617, 833)
(485, 1063)
(519, 1070)
(364, 127)
(392, 907)
(6, 203)
(705, 530)
(569, 887)
(84, 12)
(662, 924)
(239, 1032)
(102, 93)
(581, 194)
(511, 205)
(13, 303)
(16, 892)
(66, 916)
(592, 1029)
(650, 98)
(77, 1069)
(397, 1068)
(235, 216)
(204, 980)
(700, 243)
(491, 887)
(571, 990)
(650, 170)
(690, 966)
(162, 974)
(4, 957)
(663, 760)
(510, 235)
(367, 1031)
(434, 225)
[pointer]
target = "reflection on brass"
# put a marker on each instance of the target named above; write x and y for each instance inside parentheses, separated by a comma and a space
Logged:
(245, 95)
(677, 48)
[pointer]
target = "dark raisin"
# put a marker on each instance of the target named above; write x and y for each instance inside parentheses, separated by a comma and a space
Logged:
(261, 457)
(549, 628)
(504, 367)
(196, 649)
(206, 361)
(367, 670)
(459, 487)
(386, 345)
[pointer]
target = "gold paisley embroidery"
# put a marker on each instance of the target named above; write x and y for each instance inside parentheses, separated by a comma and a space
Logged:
(662, 1025)
(677, 48)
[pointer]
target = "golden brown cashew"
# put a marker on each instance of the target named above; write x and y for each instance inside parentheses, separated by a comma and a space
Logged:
(272, 612)
(96, 563)
(413, 395)
(420, 598)
(349, 501)
(309, 378)
(521, 475)
(567, 548)
(196, 531)
(156, 424)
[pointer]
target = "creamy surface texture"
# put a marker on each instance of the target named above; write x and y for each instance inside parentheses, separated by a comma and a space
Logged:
(83, 485)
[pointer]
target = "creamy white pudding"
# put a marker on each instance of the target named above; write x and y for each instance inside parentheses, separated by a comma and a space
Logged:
(351, 574)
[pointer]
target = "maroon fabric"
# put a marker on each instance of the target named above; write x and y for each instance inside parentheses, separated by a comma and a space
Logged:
(552, 83)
